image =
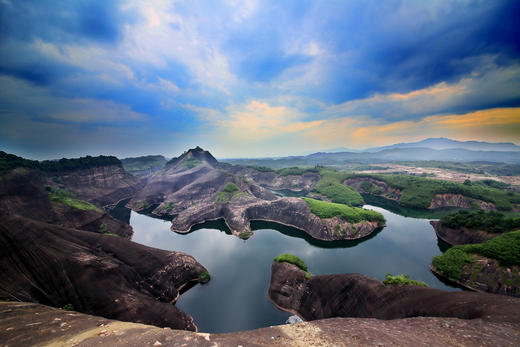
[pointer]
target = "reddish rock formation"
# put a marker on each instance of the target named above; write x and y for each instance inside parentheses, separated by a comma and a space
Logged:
(355, 295)
(97, 274)
(459, 200)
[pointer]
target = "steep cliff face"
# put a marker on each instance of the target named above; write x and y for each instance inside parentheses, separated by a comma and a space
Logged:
(458, 200)
(381, 188)
(102, 185)
(355, 295)
(23, 192)
(96, 274)
(461, 235)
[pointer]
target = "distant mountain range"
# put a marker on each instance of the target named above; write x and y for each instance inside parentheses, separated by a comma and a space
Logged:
(442, 143)
(441, 149)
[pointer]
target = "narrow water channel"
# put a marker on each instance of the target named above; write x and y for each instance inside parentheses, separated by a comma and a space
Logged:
(236, 297)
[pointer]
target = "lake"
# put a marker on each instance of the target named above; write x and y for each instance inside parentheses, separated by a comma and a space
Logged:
(236, 297)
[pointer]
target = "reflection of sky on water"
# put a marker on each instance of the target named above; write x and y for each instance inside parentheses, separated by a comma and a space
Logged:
(236, 297)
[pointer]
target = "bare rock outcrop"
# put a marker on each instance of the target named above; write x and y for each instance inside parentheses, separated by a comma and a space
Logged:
(96, 274)
(355, 295)
(462, 235)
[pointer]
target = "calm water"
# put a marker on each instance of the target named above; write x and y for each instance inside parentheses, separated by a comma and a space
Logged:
(236, 297)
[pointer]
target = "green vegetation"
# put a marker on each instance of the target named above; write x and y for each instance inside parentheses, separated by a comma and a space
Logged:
(450, 264)
(57, 195)
(142, 205)
(295, 260)
(190, 163)
(204, 277)
(331, 185)
(261, 168)
(296, 171)
(11, 161)
(504, 248)
(349, 214)
(494, 222)
(227, 193)
(418, 192)
(68, 307)
(244, 235)
(403, 280)
(169, 206)
(369, 188)
(149, 162)
(103, 229)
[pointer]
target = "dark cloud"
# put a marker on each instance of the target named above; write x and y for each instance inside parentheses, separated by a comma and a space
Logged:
(62, 21)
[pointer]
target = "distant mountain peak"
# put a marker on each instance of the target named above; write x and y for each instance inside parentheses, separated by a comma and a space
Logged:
(196, 153)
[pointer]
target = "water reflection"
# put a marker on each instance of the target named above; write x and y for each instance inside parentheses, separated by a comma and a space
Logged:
(236, 297)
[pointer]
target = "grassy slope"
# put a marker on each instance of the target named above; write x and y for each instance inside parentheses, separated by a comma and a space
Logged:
(504, 248)
(418, 191)
(331, 186)
(494, 222)
(349, 214)
(65, 197)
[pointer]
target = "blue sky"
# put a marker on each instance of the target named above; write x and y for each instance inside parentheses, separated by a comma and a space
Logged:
(254, 78)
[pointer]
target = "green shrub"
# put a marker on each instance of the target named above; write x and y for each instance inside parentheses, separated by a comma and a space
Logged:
(291, 259)
(403, 280)
(204, 277)
(169, 206)
(227, 192)
(244, 235)
(103, 229)
(450, 264)
(68, 307)
(324, 209)
(230, 188)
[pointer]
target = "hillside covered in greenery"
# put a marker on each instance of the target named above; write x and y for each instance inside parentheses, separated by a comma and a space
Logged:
(418, 192)
(324, 209)
(503, 248)
(491, 221)
(11, 161)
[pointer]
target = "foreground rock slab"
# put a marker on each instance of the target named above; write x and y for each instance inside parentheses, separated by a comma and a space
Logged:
(25, 324)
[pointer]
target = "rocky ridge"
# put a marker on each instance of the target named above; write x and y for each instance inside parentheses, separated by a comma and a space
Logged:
(194, 189)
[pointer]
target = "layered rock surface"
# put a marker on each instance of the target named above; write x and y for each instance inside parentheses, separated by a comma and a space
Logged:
(24, 324)
(97, 274)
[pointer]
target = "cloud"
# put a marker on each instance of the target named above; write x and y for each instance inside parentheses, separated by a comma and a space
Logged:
(36, 102)
(501, 124)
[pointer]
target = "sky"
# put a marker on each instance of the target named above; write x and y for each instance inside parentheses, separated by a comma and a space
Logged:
(254, 78)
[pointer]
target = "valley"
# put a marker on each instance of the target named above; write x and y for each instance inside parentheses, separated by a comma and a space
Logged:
(188, 243)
